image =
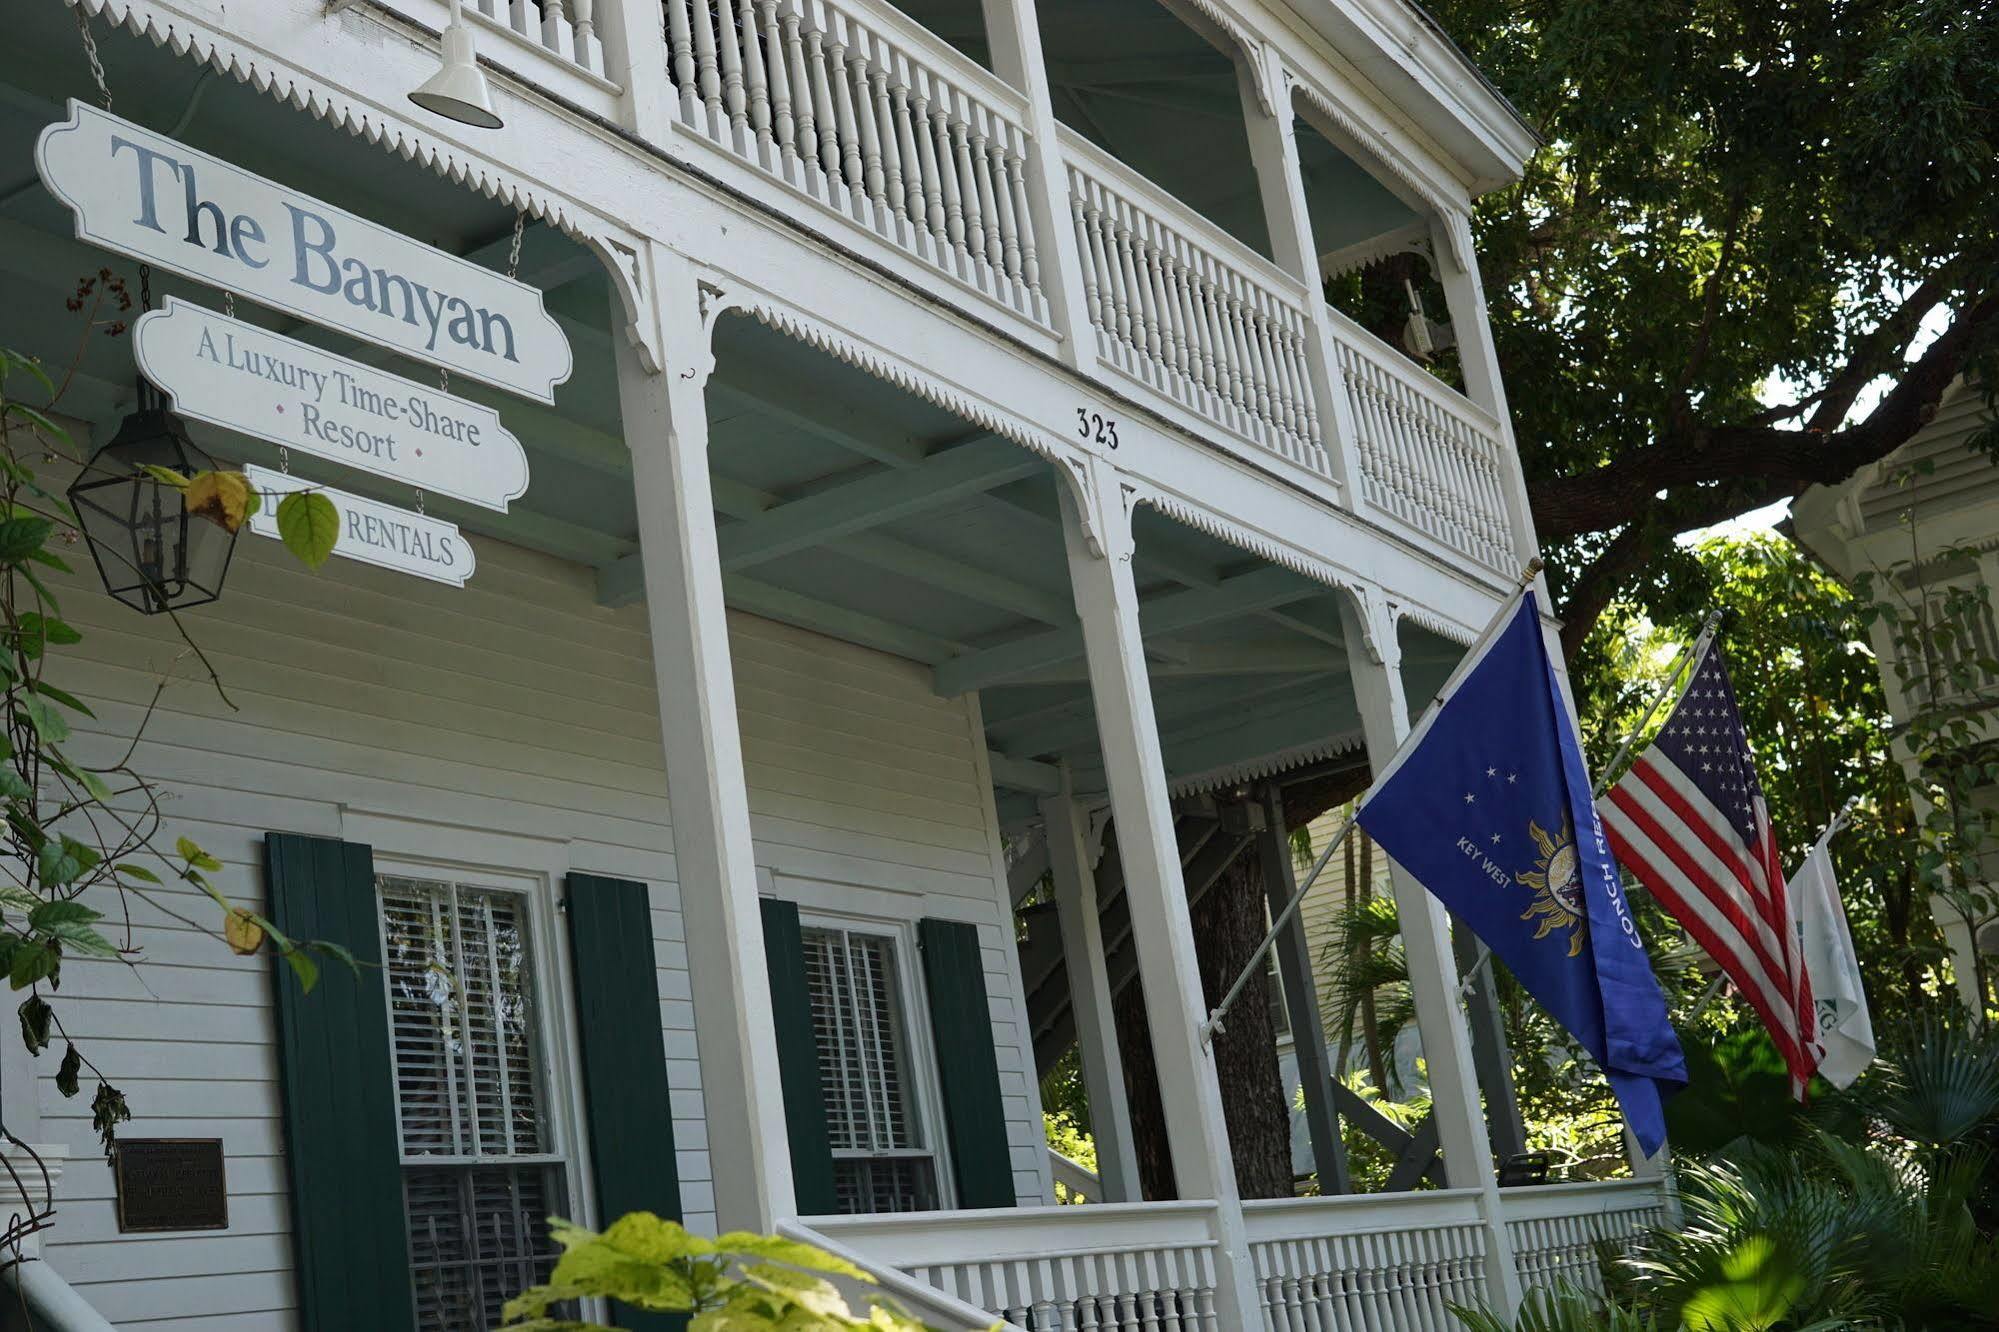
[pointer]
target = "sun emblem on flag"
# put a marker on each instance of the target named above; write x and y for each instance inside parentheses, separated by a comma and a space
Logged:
(1557, 882)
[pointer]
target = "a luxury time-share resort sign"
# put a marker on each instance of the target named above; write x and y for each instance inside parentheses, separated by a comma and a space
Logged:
(160, 201)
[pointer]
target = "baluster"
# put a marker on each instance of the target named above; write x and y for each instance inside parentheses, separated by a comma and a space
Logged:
(1091, 257)
(1144, 319)
(589, 50)
(805, 119)
(680, 47)
(1214, 332)
(708, 68)
(732, 72)
(1263, 347)
(1030, 261)
(883, 75)
(1103, 240)
(776, 55)
(822, 106)
(756, 82)
(523, 19)
(1200, 322)
(970, 231)
(947, 171)
(911, 203)
(558, 32)
(1008, 220)
(1153, 241)
(867, 128)
(846, 133)
(933, 176)
(1167, 247)
(990, 190)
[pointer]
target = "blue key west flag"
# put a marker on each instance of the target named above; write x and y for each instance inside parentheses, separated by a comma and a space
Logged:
(1488, 806)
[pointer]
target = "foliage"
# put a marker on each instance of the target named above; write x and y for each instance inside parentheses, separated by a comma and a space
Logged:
(1748, 221)
(1071, 1140)
(1562, 1310)
(740, 1282)
(78, 828)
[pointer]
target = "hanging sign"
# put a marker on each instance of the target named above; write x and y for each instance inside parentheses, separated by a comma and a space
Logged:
(147, 196)
(373, 532)
(242, 378)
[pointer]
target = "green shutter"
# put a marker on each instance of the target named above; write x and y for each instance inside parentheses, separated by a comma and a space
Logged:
(961, 1023)
(349, 1236)
(798, 1060)
(628, 1107)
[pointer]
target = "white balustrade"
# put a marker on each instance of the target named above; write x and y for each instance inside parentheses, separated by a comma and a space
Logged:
(566, 29)
(1145, 1267)
(1428, 456)
(864, 111)
(1560, 1231)
(1191, 312)
(1361, 1263)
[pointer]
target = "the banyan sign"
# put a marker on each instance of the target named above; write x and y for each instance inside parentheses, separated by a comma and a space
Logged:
(150, 197)
(244, 378)
(373, 532)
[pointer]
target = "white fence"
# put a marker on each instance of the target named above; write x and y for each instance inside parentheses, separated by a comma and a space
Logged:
(1428, 457)
(1382, 1263)
(861, 109)
(1560, 1230)
(1191, 312)
(1107, 1268)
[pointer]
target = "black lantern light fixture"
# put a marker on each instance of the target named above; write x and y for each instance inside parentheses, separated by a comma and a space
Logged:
(153, 554)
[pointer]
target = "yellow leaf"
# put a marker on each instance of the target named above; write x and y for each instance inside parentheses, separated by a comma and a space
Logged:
(241, 929)
(221, 497)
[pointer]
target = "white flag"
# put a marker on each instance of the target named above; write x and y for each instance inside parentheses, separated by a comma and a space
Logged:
(1845, 1029)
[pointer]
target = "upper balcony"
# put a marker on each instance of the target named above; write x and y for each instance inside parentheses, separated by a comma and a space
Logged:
(1152, 193)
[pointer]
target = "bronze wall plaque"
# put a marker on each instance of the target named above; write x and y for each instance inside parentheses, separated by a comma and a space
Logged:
(171, 1184)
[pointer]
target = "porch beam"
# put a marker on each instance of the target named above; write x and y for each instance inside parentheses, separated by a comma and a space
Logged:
(1271, 656)
(839, 425)
(1229, 599)
(879, 497)
(809, 612)
(1040, 779)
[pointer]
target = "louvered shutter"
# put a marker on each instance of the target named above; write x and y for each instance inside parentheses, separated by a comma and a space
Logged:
(629, 1106)
(349, 1242)
(805, 1107)
(961, 1024)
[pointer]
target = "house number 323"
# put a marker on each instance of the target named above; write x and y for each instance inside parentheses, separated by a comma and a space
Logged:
(1093, 426)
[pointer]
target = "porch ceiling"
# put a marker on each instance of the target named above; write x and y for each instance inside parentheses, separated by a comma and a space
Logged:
(844, 505)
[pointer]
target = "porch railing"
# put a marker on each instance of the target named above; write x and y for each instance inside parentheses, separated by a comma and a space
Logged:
(1113, 1267)
(1190, 312)
(860, 109)
(1367, 1263)
(1559, 1230)
(566, 29)
(1428, 457)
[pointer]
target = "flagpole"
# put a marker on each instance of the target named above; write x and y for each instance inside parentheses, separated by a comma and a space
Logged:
(1213, 1026)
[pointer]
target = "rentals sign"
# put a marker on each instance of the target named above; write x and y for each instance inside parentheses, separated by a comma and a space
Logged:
(373, 532)
(244, 378)
(158, 200)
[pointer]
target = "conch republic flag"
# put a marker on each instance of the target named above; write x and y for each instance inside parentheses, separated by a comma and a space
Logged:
(1488, 806)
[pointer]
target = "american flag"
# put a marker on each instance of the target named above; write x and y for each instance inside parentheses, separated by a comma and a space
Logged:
(1690, 821)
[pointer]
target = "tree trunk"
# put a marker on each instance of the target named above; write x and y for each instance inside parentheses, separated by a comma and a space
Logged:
(1231, 921)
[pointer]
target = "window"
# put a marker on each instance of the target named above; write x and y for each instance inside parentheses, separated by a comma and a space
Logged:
(480, 1168)
(881, 1158)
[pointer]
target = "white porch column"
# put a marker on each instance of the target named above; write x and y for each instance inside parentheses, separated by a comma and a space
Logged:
(1374, 659)
(666, 427)
(1013, 32)
(1076, 910)
(1107, 603)
(635, 58)
(1273, 151)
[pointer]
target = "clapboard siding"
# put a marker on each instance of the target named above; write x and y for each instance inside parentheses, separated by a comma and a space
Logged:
(515, 707)
(1938, 469)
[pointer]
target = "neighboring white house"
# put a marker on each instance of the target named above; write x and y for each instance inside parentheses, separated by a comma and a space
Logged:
(956, 449)
(1923, 525)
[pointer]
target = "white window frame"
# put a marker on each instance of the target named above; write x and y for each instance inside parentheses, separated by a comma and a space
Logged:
(555, 1046)
(921, 1056)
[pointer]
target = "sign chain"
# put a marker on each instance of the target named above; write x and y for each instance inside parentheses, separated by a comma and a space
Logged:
(90, 54)
(145, 286)
(284, 460)
(229, 303)
(514, 254)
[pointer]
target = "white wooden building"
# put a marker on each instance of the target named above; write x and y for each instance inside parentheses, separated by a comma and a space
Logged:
(958, 455)
(1922, 526)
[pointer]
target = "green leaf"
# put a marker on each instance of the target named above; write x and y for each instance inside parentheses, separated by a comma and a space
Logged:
(309, 525)
(62, 696)
(190, 850)
(49, 724)
(13, 786)
(166, 476)
(71, 922)
(139, 872)
(33, 961)
(303, 967)
(62, 862)
(39, 631)
(36, 1015)
(21, 537)
(21, 899)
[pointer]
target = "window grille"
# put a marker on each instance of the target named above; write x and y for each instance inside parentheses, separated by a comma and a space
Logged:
(480, 1173)
(881, 1159)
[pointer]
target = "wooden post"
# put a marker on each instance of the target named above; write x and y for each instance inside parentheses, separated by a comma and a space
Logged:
(1013, 32)
(1076, 909)
(1491, 1058)
(666, 427)
(1197, 1137)
(1375, 663)
(1301, 998)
